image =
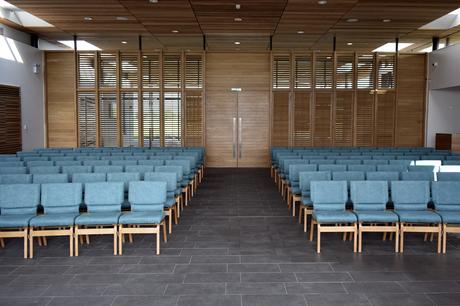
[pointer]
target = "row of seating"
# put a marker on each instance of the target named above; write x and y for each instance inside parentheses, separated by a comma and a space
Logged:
(370, 214)
(84, 157)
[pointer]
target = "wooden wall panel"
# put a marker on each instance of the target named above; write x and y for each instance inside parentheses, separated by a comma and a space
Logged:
(364, 119)
(410, 103)
(280, 130)
(60, 99)
(343, 118)
(322, 119)
(10, 119)
(384, 119)
(302, 119)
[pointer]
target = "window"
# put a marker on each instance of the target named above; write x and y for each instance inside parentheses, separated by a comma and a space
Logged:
(108, 70)
(151, 119)
(86, 70)
(87, 119)
(129, 72)
(344, 71)
(172, 119)
(281, 72)
(108, 119)
(365, 71)
(129, 119)
(302, 72)
(172, 71)
(386, 71)
(324, 70)
(150, 71)
(194, 71)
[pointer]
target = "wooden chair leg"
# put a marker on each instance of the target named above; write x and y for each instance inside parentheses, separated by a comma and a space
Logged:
(312, 229)
(31, 244)
(176, 210)
(401, 237)
(165, 234)
(2, 242)
(318, 239)
(360, 238)
(305, 220)
(26, 240)
(444, 238)
(71, 241)
(355, 237)
(158, 240)
(439, 237)
(300, 213)
(115, 239)
(397, 239)
(87, 239)
(170, 220)
(76, 240)
(120, 240)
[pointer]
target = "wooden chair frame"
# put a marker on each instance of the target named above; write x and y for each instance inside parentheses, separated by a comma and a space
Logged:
(448, 228)
(373, 227)
(170, 211)
(405, 227)
(15, 233)
(54, 231)
(334, 228)
(142, 229)
(87, 230)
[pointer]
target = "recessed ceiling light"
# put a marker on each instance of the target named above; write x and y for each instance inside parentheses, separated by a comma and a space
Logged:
(88, 18)
(300, 32)
(153, 1)
(238, 19)
(237, 6)
(322, 2)
(122, 18)
(328, 57)
(349, 44)
(175, 31)
(237, 43)
(352, 20)
(124, 42)
(386, 20)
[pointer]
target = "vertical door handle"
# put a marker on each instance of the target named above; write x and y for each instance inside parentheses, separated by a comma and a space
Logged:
(234, 138)
(240, 137)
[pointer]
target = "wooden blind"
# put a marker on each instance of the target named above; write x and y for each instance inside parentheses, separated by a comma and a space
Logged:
(364, 119)
(151, 119)
(87, 125)
(302, 121)
(323, 71)
(194, 71)
(365, 71)
(172, 119)
(172, 71)
(281, 72)
(343, 123)
(129, 70)
(150, 71)
(386, 70)
(108, 119)
(86, 70)
(302, 72)
(129, 119)
(10, 120)
(280, 130)
(344, 71)
(194, 119)
(385, 116)
(108, 70)
(323, 119)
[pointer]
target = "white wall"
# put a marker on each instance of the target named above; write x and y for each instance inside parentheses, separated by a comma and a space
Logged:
(444, 68)
(15, 73)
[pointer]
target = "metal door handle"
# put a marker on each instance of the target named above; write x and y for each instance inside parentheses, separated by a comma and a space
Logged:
(234, 139)
(240, 137)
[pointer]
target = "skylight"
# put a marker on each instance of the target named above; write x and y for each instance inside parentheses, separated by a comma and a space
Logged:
(18, 16)
(391, 47)
(82, 45)
(9, 50)
(430, 48)
(445, 22)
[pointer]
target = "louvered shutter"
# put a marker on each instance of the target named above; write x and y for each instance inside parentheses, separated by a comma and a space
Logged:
(365, 71)
(86, 70)
(280, 131)
(129, 70)
(281, 72)
(150, 71)
(172, 71)
(194, 119)
(364, 120)
(302, 121)
(87, 125)
(108, 70)
(385, 116)
(10, 120)
(151, 119)
(108, 119)
(343, 124)
(344, 71)
(194, 71)
(302, 72)
(386, 71)
(323, 119)
(172, 119)
(129, 119)
(323, 71)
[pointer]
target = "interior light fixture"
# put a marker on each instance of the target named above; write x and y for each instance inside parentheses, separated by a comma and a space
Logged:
(237, 6)
(88, 18)
(238, 19)
(81, 45)
(122, 18)
(349, 44)
(175, 31)
(124, 42)
(322, 2)
(300, 32)
(237, 43)
(352, 20)
(153, 1)
(391, 47)
(386, 20)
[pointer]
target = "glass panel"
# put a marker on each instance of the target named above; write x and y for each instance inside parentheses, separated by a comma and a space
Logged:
(194, 72)
(129, 119)
(281, 72)
(344, 71)
(323, 73)
(172, 71)
(151, 119)
(87, 119)
(172, 119)
(86, 70)
(129, 72)
(108, 70)
(365, 71)
(302, 74)
(108, 119)
(150, 71)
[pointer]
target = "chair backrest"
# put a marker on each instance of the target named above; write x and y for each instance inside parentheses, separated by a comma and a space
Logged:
(448, 176)
(19, 199)
(403, 162)
(88, 178)
(418, 176)
(285, 163)
(382, 176)
(169, 177)
(375, 162)
(147, 196)
(40, 163)
(294, 170)
(50, 178)
(68, 163)
(329, 195)
(398, 168)
(369, 195)
(155, 162)
(322, 161)
(61, 198)
(96, 162)
(185, 164)
(123, 162)
(45, 170)
(364, 168)
(348, 176)
(11, 164)
(160, 157)
(142, 169)
(75, 169)
(84, 158)
(306, 177)
(15, 179)
(124, 177)
(422, 168)
(104, 196)
(35, 158)
(348, 161)
(62, 158)
(332, 168)
(410, 195)
(107, 169)
(446, 195)
(177, 169)
(13, 170)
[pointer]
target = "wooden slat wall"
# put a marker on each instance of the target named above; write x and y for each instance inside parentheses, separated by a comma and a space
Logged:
(343, 118)
(10, 119)
(384, 121)
(280, 134)
(410, 102)
(364, 119)
(302, 119)
(60, 99)
(322, 119)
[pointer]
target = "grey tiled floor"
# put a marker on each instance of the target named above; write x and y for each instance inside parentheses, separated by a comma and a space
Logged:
(235, 245)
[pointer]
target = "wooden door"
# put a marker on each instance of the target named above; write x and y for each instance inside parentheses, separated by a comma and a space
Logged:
(10, 119)
(246, 112)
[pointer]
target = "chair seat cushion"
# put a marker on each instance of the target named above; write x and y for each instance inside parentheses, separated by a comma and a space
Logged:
(103, 218)
(295, 190)
(14, 221)
(54, 220)
(418, 216)
(170, 201)
(141, 217)
(307, 201)
(450, 217)
(328, 217)
(376, 216)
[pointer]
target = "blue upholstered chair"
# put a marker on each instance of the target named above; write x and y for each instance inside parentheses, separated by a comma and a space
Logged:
(329, 213)
(306, 206)
(448, 176)
(70, 170)
(332, 168)
(15, 179)
(18, 205)
(173, 200)
(147, 201)
(68, 163)
(348, 162)
(13, 170)
(142, 169)
(363, 168)
(418, 176)
(186, 181)
(61, 203)
(397, 168)
(103, 201)
(446, 199)
(96, 162)
(383, 176)
(88, 178)
(422, 168)
(348, 176)
(125, 178)
(123, 163)
(44, 170)
(50, 178)
(107, 169)
(40, 163)
(375, 162)
(410, 199)
(156, 162)
(369, 205)
(294, 192)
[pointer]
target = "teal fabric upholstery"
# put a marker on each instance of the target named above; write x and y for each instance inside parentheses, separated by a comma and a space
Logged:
(418, 216)
(382, 176)
(11, 164)
(422, 168)
(19, 199)
(375, 162)
(332, 167)
(68, 163)
(50, 178)
(70, 170)
(446, 196)
(142, 169)
(124, 177)
(348, 176)
(96, 162)
(15, 179)
(305, 178)
(293, 174)
(45, 170)
(88, 177)
(171, 184)
(177, 169)
(417, 176)
(363, 168)
(158, 162)
(40, 163)
(107, 169)
(330, 217)
(348, 162)
(13, 170)
(397, 168)
(329, 199)
(448, 176)
(141, 217)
